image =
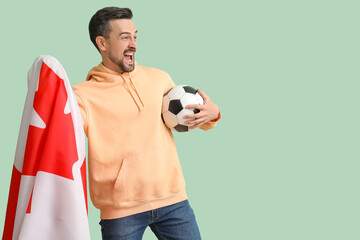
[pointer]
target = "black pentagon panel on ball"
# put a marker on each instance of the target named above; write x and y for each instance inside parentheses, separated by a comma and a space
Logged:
(189, 89)
(175, 106)
(196, 110)
(181, 128)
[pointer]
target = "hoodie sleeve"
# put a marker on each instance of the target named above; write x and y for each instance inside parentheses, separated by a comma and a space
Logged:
(170, 83)
(82, 107)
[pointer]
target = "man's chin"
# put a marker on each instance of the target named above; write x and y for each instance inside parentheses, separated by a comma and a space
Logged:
(127, 67)
(130, 68)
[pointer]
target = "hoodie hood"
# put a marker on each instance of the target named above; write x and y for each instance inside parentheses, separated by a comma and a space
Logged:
(101, 73)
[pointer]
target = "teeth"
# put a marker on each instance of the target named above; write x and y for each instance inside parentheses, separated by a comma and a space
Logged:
(129, 54)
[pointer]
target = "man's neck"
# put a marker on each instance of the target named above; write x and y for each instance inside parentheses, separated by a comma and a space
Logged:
(112, 67)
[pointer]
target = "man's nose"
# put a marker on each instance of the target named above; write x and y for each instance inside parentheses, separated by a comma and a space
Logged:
(132, 43)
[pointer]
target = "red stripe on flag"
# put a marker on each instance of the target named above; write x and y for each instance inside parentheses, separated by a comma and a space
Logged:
(28, 210)
(12, 204)
(83, 177)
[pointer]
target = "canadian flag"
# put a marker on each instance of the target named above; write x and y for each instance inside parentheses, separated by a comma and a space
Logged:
(47, 198)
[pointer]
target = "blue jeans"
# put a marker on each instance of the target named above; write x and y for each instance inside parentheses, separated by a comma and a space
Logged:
(174, 222)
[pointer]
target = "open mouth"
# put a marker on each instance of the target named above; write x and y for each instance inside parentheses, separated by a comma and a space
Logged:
(129, 57)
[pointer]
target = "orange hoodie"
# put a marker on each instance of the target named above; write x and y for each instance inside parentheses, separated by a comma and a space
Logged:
(132, 160)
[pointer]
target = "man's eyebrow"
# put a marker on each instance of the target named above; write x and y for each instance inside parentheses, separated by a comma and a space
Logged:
(127, 33)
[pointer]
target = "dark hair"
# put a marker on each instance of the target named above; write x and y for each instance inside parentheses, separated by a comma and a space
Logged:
(99, 23)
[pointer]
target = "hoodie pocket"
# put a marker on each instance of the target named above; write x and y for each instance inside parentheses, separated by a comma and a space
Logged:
(147, 176)
(119, 186)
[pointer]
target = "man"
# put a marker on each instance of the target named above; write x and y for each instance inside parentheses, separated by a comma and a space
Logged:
(135, 176)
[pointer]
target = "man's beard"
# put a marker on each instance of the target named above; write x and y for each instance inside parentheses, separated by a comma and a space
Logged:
(121, 64)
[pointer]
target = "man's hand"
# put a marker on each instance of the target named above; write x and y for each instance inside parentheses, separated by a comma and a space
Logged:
(209, 111)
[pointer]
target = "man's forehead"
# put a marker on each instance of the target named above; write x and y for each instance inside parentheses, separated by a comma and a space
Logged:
(122, 25)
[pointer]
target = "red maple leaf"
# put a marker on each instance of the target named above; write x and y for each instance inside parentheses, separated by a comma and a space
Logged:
(52, 149)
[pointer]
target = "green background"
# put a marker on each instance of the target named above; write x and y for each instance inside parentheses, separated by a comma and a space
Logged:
(283, 163)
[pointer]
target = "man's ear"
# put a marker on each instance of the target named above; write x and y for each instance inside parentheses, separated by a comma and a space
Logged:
(101, 43)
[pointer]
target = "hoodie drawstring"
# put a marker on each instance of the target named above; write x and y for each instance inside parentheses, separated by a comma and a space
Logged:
(134, 88)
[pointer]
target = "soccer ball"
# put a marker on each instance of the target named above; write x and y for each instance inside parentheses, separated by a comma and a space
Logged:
(173, 108)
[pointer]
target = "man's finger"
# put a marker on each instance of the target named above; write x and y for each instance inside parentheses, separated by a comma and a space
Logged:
(197, 121)
(194, 106)
(196, 125)
(190, 122)
(196, 115)
(203, 95)
(194, 120)
(189, 116)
